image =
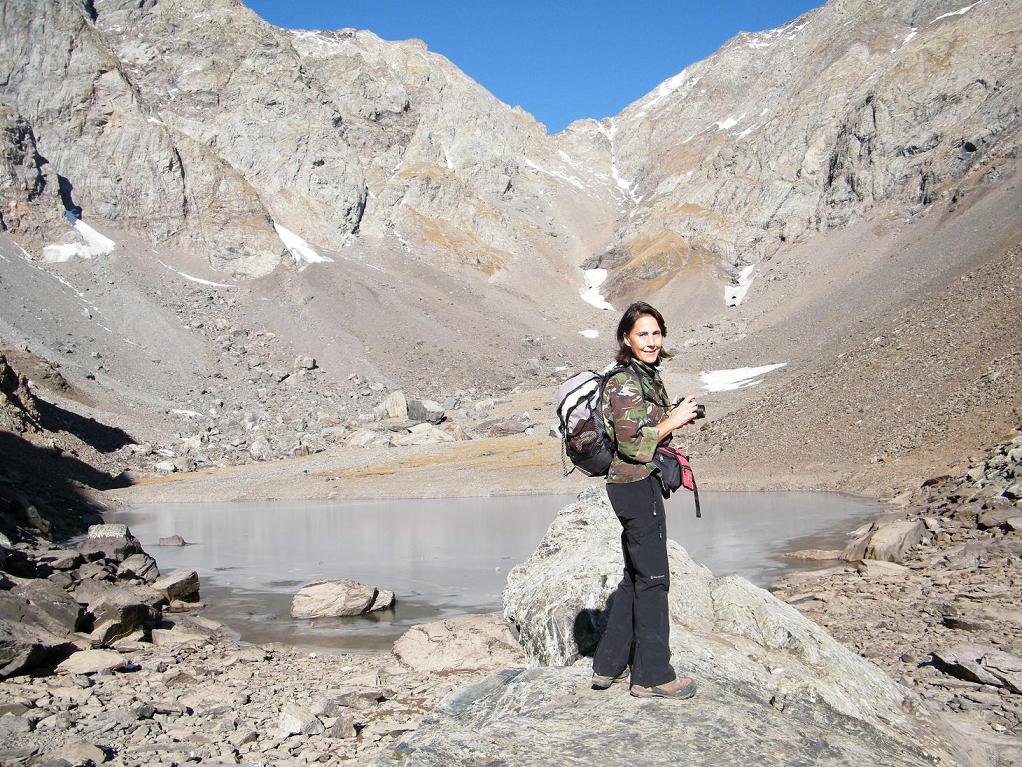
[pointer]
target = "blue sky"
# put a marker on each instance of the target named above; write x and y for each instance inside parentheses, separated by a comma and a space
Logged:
(559, 60)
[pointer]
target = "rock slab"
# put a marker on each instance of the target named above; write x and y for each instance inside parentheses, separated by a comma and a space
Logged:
(465, 643)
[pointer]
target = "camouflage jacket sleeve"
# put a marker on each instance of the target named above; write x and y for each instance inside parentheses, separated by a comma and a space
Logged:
(626, 415)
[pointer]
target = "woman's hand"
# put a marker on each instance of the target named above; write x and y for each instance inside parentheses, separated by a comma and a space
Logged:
(684, 412)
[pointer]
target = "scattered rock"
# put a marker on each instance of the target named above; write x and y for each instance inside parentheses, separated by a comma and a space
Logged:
(890, 541)
(877, 568)
(504, 427)
(260, 449)
(425, 410)
(295, 720)
(140, 566)
(173, 540)
(80, 753)
(996, 517)
(383, 601)
(394, 405)
(422, 434)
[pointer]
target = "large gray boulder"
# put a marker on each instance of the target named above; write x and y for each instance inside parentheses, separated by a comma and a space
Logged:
(775, 688)
(24, 647)
(37, 619)
(888, 539)
(41, 603)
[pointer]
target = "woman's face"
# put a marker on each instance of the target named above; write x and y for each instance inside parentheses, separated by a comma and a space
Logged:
(645, 339)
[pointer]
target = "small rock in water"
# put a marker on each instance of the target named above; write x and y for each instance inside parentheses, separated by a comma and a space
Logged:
(173, 540)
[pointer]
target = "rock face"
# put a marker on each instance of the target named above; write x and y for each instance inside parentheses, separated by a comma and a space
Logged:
(758, 660)
(712, 165)
(704, 174)
(465, 643)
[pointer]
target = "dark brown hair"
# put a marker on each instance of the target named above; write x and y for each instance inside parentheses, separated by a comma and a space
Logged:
(624, 327)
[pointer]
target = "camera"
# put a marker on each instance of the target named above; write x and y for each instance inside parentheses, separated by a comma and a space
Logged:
(700, 408)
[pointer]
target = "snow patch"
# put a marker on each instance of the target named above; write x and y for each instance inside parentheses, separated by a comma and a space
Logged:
(589, 333)
(299, 249)
(94, 244)
(765, 39)
(196, 279)
(736, 378)
(591, 292)
(908, 39)
(558, 174)
(625, 186)
(959, 12)
(735, 294)
(729, 122)
(666, 88)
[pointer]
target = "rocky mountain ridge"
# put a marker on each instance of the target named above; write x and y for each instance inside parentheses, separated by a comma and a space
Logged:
(243, 196)
(853, 109)
(199, 124)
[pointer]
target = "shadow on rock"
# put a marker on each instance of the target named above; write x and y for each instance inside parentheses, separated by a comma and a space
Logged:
(105, 439)
(589, 627)
(42, 491)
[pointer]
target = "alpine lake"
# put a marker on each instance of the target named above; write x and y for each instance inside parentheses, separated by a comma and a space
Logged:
(441, 557)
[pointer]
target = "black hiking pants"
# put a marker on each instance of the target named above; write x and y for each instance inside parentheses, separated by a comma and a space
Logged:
(638, 608)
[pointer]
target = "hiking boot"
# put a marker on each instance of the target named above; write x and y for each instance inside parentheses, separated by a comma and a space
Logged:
(601, 682)
(680, 688)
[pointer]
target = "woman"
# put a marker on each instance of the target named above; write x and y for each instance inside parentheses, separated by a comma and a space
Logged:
(638, 414)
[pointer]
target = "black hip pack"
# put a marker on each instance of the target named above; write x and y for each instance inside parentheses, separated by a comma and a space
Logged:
(676, 472)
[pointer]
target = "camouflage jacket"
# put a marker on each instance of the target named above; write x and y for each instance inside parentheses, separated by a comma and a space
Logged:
(634, 402)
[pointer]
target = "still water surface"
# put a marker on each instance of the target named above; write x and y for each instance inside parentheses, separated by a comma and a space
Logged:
(441, 557)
